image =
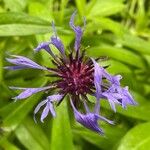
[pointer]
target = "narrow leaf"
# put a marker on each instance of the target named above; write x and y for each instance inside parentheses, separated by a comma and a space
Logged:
(106, 8)
(112, 136)
(61, 132)
(117, 53)
(31, 135)
(137, 138)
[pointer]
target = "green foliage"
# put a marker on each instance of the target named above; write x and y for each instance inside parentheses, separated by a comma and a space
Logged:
(118, 29)
(61, 137)
(137, 138)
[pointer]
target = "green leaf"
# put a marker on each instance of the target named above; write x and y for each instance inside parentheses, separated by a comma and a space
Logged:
(31, 135)
(136, 43)
(61, 132)
(106, 8)
(22, 29)
(81, 6)
(1, 61)
(117, 53)
(137, 138)
(8, 145)
(16, 24)
(15, 5)
(62, 11)
(112, 135)
(141, 17)
(41, 10)
(19, 111)
(89, 6)
(108, 24)
(21, 18)
(114, 65)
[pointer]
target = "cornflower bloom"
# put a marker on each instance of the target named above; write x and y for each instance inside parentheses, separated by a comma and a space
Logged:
(77, 76)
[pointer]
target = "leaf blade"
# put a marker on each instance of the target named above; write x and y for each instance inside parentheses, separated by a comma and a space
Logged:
(61, 130)
(137, 138)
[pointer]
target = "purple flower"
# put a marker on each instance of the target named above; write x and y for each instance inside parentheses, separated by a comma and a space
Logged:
(76, 76)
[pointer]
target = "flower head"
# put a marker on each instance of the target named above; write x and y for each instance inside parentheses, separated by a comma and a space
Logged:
(77, 76)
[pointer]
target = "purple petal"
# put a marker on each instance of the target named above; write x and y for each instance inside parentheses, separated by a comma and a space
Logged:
(45, 46)
(112, 99)
(58, 44)
(45, 112)
(89, 120)
(38, 107)
(114, 94)
(78, 31)
(105, 119)
(55, 98)
(98, 72)
(29, 91)
(112, 79)
(97, 107)
(55, 40)
(86, 107)
(112, 104)
(116, 80)
(114, 85)
(24, 62)
(49, 106)
(15, 67)
(120, 96)
(126, 97)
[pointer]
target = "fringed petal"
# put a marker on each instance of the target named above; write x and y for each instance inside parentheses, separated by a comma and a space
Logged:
(126, 97)
(45, 112)
(55, 40)
(78, 31)
(58, 44)
(45, 46)
(89, 120)
(49, 108)
(38, 107)
(28, 91)
(98, 72)
(23, 62)
(15, 67)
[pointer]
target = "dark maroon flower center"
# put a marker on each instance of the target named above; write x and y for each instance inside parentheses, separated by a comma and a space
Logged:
(76, 76)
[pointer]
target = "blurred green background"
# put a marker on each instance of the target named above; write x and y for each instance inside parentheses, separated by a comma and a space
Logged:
(119, 29)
